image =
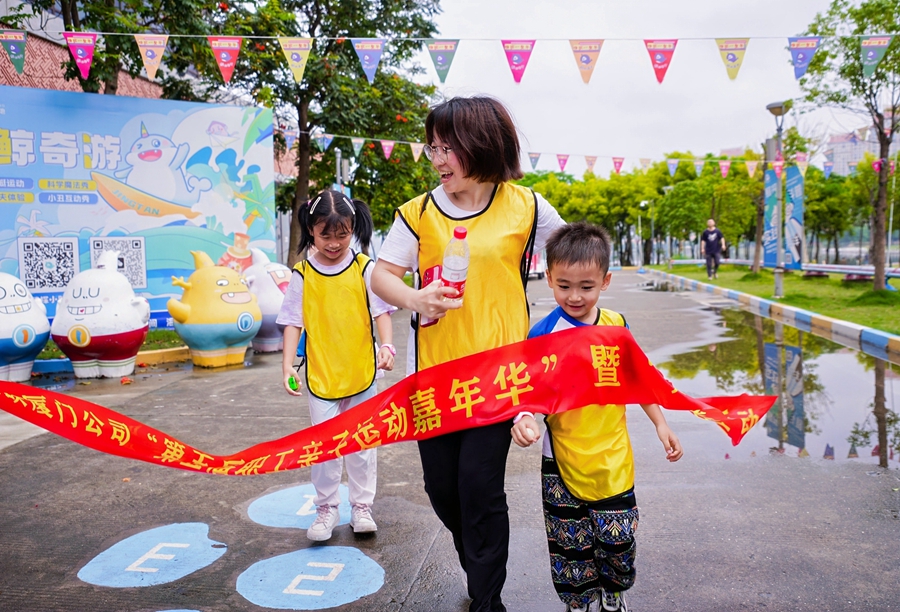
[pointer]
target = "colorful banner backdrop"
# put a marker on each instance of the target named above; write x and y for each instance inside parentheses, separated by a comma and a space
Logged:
(772, 384)
(518, 52)
(724, 167)
(387, 146)
(617, 164)
(873, 49)
(802, 51)
(698, 166)
(732, 51)
(81, 46)
(586, 53)
(794, 236)
(751, 167)
(645, 164)
(793, 386)
(226, 50)
(548, 375)
(673, 166)
(828, 168)
(417, 148)
(770, 237)
(152, 48)
(14, 43)
(369, 51)
(590, 160)
(562, 158)
(442, 52)
(802, 161)
(357, 145)
(296, 52)
(661, 52)
(533, 158)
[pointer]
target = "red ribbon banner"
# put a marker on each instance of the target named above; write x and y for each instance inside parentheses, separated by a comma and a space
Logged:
(550, 374)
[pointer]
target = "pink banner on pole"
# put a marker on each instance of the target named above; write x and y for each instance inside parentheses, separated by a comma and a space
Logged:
(562, 159)
(387, 146)
(226, 50)
(751, 167)
(152, 47)
(617, 164)
(778, 164)
(590, 160)
(661, 52)
(416, 149)
(81, 46)
(586, 53)
(724, 167)
(518, 53)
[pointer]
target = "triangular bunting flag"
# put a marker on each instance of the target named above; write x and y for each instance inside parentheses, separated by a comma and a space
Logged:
(518, 53)
(81, 46)
(357, 145)
(326, 141)
(802, 160)
(724, 167)
(803, 453)
(14, 43)
(829, 452)
(416, 149)
(387, 146)
(645, 164)
(853, 454)
(586, 53)
(751, 167)
(562, 159)
(290, 137)
(442, 52)
(732, 51)
(617, 164)
(673, 166)
(226, 50)
(534, 157)
(369, 51)
(828, 168)
(876, 451)
(660, 55)
(152, 47)
(873, 49)
(296, 52)
(778, 164)
(698, 166)
(802, 51)
(590, 160)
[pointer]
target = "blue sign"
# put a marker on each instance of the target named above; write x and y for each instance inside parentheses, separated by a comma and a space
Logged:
(771, 374)
(794, 238)
(770, 236)
(793, 386)
(311, 579)
(153, 557)
(294, 507)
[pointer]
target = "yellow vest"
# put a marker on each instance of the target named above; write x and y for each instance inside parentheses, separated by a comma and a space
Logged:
(340, 345)
(591, 444)
(495, 308)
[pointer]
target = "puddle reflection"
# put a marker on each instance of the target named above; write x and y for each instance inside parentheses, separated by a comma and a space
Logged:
(835, 402)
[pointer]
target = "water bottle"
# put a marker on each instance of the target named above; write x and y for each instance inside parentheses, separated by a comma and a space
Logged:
(456, 263)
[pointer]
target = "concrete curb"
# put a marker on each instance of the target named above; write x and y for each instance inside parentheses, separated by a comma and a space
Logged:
(871, 341)
(170, 355)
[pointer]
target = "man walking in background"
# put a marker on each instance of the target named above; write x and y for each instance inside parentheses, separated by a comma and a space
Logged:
(712, 243)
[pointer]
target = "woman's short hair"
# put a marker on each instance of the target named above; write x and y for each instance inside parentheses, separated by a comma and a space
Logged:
(481, 133)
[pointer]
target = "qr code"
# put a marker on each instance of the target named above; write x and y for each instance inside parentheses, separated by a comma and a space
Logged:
(132, 257)
(47, 263)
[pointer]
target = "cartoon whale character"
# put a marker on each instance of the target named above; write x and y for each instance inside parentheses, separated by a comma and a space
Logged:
(217, 315)
(100, 324)
(24, 329)
(268, 281)
(156, 169)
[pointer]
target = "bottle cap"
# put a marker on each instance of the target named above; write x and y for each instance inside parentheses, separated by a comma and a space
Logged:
(460, 232)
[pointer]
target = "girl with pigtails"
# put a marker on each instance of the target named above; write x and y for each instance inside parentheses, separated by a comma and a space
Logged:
(329, 297)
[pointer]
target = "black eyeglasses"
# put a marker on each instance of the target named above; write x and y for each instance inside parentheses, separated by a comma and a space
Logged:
(433, 152)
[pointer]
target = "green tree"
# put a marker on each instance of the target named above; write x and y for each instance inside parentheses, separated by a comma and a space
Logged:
(826, 211)
(836, 78)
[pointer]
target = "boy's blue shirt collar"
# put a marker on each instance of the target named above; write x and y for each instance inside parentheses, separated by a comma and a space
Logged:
(563, 314)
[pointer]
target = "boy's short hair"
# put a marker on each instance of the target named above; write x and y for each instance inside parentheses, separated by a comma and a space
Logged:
(481, 133)
(579, 243)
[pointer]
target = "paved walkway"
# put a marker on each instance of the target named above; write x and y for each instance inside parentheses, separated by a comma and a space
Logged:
(767, 534)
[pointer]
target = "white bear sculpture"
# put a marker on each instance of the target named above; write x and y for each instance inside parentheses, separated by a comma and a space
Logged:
(24, 329)
(268, 281)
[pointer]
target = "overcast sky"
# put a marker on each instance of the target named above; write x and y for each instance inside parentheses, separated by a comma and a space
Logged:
(624, 111)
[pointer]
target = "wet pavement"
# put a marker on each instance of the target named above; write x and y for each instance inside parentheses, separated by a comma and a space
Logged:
(768, 525)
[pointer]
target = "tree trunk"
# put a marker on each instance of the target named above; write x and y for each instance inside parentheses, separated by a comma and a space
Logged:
(880, 412)
(301, 194)
(837, 249)
(879, 235)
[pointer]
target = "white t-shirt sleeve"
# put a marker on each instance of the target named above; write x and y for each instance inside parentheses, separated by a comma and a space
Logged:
(400, 247)
(377, 306)
(291, 312)
(548, 220)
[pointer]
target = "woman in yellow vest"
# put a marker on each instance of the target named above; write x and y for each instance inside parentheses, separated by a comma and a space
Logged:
(473, 145)
(329, 298)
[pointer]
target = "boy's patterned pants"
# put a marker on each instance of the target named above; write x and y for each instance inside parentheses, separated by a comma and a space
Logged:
(591, 543)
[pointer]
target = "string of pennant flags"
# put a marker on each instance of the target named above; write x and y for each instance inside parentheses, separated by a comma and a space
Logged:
(226, 50)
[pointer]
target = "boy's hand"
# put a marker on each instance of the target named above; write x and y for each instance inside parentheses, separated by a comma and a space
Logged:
(526, 431)
(670, 441)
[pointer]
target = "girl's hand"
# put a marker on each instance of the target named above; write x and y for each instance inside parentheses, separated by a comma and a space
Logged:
(670, 441)
(430, 301)
(384, 359)
(526, 431)
(289, 373)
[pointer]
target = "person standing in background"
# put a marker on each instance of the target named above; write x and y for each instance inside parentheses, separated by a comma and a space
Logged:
(712, 244)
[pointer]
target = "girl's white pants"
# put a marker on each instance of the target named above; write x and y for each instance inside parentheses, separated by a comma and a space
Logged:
(361, 467)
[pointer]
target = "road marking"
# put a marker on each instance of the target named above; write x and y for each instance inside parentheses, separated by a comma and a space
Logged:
(336, 568)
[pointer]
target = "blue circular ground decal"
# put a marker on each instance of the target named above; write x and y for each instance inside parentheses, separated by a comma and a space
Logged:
(156, 556)
(311, 579)
(294, 507)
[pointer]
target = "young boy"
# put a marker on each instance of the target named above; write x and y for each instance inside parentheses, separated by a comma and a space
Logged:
(587, 472)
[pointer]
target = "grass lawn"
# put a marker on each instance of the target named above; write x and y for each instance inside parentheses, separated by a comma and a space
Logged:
(854, 302)
(156, 339)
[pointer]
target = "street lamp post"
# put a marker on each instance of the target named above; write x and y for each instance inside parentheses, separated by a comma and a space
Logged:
(778, 109)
